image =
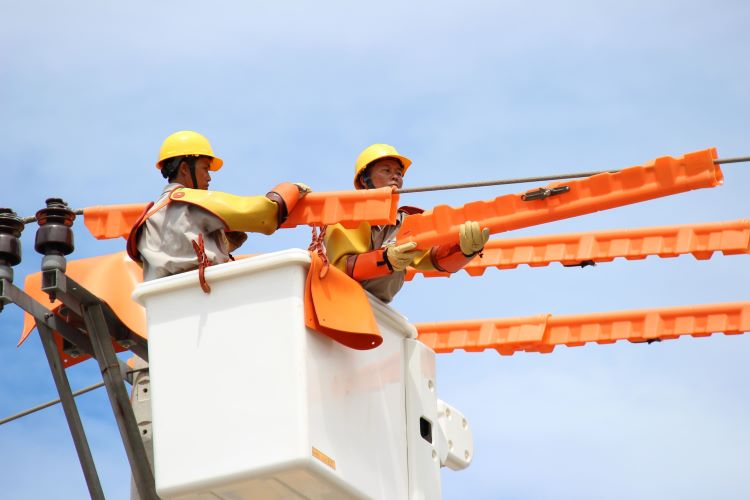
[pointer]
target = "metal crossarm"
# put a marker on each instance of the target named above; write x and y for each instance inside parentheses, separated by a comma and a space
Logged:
(102, 326)
(76, 297)
(71, 412)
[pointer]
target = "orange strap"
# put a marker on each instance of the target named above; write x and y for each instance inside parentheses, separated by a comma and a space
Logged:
(317, 246)
(349, 208)
(542, 333)
(661, 177)
(203, 262)
(132, 236)
(700, 240)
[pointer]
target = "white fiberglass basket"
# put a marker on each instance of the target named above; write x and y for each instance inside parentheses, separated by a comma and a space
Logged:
(249, 403)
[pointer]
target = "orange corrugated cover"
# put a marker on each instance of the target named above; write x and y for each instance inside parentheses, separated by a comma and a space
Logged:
(111, 277)
(699, 240)
(350, 208)
(661, 177)
(543, 333)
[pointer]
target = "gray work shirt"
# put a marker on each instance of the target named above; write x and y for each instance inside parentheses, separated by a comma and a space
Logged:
(166, 239)
(385, 287)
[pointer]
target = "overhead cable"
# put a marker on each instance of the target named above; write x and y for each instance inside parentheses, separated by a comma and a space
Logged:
(500, 182)
(55, 401)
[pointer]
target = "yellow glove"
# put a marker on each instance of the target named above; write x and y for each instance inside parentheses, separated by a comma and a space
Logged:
(400, 256)
(471, 239)
(303, 189)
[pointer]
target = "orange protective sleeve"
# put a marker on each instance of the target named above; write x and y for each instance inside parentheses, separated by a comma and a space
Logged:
(368, 265)
(349, 208)
(448, 258)
(699, 240)
(112, 221)
(542, 333)
(662, 177)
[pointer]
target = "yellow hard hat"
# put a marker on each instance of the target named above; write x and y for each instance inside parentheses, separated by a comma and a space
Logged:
(187, 143)
(376, 152)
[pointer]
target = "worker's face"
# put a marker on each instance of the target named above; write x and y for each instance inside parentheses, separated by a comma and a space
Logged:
(202, 174)
(387, 172)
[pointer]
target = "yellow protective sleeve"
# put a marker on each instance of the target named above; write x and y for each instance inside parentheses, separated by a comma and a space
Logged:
(255, 214)
(341, 243)
(423, 262)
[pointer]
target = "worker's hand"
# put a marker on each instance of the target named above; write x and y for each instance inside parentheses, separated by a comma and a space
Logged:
(471, 239)
(235, 239)
(400, 256)
(303, 189)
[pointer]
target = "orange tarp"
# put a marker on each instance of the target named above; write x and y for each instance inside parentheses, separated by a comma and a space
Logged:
(661, 177)
(350, 208)
(700, 240)
(111, 277)
(542, 333)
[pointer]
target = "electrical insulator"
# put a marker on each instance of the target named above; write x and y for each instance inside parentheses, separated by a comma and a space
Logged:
(10, 243)
(54, 238)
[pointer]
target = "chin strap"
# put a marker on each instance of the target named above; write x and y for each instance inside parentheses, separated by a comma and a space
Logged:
(191, 164)
(365, 179)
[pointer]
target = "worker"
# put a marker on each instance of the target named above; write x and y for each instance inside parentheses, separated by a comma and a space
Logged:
(190, 227)
(370, 255)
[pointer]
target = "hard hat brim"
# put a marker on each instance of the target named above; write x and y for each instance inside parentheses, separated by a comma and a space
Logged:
(216, 163)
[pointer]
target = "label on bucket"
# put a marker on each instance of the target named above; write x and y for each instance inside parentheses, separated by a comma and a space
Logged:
(324, 458)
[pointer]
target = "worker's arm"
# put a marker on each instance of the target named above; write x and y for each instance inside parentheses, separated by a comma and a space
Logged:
(349, 250)
(257, 214)
(452, 257)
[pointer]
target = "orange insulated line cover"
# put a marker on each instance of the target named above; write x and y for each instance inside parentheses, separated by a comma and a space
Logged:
(700, 240)
(112, 221)
(661, 177)
(543, 333)
(350, 208)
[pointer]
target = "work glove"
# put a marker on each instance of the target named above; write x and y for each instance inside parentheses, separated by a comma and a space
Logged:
(303, 189)
(235, 239)
(400, 256)
(471, 239)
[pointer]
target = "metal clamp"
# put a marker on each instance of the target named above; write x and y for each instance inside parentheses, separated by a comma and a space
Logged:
(543, 193)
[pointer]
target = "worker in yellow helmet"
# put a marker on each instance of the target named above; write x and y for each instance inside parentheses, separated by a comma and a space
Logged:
(369, 253)
(188, 224)
(189, 227)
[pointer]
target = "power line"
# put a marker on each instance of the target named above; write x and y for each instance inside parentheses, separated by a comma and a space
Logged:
(55, 401)
(500, 182)
(523, 180)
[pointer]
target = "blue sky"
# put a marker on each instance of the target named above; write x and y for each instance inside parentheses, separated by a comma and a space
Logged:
(470, 91)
